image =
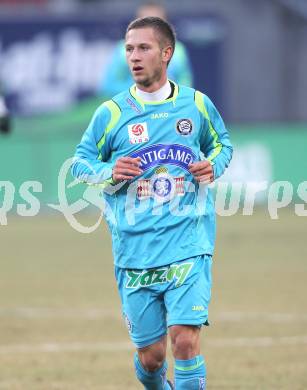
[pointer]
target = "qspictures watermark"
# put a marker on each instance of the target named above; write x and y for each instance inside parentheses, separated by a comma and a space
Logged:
(229, 199)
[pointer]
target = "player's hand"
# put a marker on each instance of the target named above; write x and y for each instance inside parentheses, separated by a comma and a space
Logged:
(202, 171)
(126, 168)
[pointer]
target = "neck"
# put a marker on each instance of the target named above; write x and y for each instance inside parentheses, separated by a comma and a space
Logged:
(158, 95)
(154, 86)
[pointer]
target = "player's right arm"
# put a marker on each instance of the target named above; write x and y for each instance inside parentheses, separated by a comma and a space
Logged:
(93, 163)
(126, 168)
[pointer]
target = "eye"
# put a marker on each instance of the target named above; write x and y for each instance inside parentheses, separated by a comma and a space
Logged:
(129, 49)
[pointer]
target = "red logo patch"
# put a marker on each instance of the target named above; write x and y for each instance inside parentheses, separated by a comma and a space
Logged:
(138, 133)
(137, 129)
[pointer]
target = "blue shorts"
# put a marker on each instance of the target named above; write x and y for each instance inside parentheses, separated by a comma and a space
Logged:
(156, 298)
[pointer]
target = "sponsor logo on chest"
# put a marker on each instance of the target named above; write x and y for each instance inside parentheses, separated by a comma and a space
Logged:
(161, 154)
(138, 133)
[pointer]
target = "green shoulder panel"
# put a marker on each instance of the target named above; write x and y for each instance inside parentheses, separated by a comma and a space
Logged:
(115, 114)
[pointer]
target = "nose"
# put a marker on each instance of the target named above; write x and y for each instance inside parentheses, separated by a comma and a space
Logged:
(134, 56)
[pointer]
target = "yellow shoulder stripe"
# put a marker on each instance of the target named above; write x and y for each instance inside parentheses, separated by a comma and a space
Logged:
(115, 115)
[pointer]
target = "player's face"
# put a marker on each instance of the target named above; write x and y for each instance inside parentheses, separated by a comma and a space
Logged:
(146, 59)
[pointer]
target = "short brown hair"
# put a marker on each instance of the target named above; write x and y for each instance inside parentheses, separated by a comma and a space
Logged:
(163, 28)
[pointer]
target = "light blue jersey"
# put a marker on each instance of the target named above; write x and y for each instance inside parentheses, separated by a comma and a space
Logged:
(164, 215)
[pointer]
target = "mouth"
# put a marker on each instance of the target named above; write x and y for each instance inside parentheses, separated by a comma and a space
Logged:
(137, 68)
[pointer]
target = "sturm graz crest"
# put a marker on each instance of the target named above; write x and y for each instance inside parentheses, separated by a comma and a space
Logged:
(184, 126)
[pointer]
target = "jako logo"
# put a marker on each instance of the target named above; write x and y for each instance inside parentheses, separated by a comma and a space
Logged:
(159, 115)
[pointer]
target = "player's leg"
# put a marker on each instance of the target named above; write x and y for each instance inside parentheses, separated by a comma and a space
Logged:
(145, 316)
(151, 366)
(190, 371)
(187, 306)
(152, 357)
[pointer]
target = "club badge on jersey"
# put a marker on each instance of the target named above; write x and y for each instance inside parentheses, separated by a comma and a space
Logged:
(138, 133)
(184, 126)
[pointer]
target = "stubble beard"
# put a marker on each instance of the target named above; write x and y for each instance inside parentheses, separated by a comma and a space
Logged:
(148, 81)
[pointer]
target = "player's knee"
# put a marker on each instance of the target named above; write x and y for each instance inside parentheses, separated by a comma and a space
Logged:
(183, 346)
(151, 362)
(152, 359)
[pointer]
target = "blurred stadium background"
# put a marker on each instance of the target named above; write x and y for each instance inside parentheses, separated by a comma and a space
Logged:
(60, 323)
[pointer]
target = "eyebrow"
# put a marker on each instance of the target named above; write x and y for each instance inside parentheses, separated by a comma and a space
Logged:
(138, 44)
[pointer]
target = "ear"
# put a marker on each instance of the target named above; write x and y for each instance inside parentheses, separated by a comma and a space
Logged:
(167, 53)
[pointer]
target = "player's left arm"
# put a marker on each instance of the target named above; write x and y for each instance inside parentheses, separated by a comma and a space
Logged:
(214, 142)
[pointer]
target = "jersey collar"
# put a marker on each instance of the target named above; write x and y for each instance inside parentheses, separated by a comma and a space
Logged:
(143, 103)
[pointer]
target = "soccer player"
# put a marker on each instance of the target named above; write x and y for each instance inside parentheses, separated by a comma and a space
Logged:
(154, 148)
(117, 76)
